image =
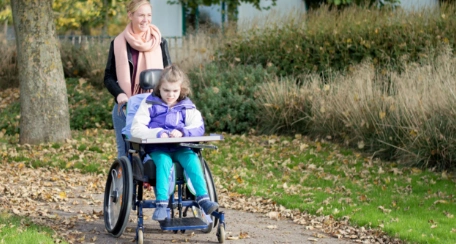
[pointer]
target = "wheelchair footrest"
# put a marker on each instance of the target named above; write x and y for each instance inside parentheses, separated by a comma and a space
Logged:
(188, 223)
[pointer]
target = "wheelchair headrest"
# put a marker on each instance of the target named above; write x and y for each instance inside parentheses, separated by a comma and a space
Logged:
(149, 78)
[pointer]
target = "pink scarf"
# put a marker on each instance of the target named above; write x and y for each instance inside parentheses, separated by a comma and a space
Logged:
(149, 57)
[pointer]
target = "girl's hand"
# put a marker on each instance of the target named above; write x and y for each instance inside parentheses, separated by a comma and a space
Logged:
(164, 135)
(175, 134)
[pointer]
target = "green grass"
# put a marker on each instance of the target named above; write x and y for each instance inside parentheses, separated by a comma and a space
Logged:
(91, 151)
(413, 205)
(316, 177)
(19, 230)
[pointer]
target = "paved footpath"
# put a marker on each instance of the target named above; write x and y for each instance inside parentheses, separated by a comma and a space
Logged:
(255, 228)
(72, 204)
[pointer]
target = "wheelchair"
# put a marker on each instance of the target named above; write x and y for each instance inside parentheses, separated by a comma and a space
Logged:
(124, 190)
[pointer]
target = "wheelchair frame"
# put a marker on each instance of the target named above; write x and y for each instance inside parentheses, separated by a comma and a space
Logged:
(124, 186)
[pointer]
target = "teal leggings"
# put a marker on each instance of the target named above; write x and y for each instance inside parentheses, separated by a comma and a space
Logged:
(191, 164)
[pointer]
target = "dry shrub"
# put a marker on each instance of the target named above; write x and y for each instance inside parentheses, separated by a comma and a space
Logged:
(195, 50)
(349, 106)
(86, 60)
(284, 107)
(8, 69)
(425, 101)
(410, 117)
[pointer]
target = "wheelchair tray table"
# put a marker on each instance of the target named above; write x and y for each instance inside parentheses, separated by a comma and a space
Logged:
(176, 140)
(183, 141)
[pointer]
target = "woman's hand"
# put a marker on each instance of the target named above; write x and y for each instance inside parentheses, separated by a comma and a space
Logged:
(164, 135)
(122, 98)
(175, 134)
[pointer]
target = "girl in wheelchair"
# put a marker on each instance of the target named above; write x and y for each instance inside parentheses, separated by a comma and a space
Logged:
(168, 112)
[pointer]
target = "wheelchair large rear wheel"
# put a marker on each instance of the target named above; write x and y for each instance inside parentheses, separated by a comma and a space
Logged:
(118, 196)
(210, 191)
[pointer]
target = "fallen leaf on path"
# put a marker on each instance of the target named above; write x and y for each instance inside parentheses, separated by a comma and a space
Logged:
(274, 215)
(244, 235)
(229, 237)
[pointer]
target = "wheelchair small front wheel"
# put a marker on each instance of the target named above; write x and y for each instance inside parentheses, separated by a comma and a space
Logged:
(221, 234)
(140, 237)
(118, 196)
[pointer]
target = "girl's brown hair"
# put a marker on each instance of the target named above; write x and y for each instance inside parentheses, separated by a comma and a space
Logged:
(171, 74)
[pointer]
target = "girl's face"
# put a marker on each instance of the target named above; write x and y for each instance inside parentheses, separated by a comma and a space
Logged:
(170, 92)
(141, 18)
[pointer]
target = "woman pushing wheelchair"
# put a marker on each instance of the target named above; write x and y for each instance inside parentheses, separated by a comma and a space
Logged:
(169, 113)
(139, 47)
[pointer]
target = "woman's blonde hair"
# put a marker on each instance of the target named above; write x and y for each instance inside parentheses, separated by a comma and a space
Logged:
(135, 4)
(171, 74)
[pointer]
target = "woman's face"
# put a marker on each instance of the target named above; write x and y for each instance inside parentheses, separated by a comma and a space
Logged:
(170, 92)
(141, 18)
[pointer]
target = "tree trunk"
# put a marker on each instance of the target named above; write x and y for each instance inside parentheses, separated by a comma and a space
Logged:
(43, 93)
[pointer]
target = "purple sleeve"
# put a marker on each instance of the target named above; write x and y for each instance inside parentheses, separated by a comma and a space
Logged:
(196, 131)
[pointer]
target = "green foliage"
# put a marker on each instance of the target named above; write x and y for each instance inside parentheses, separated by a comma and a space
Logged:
(232, 3)
(89, 107)
(5, 12)
(75, 15)
(226, 95)
(378, 3)
(83, 15)
(336, 40)
(314, 4)
(9, 122)
(82, 147)
(96, 149)
(339, 2)
(56, 146)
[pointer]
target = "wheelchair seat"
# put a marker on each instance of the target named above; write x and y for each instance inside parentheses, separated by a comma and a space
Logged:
(146, 171)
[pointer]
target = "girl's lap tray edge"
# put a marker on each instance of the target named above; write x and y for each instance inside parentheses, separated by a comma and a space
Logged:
(211, 137)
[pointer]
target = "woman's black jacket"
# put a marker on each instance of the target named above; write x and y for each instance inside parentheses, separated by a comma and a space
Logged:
(110, 77)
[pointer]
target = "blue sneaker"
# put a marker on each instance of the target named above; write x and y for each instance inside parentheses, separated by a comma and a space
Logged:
(207, 205)
(160, 212)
